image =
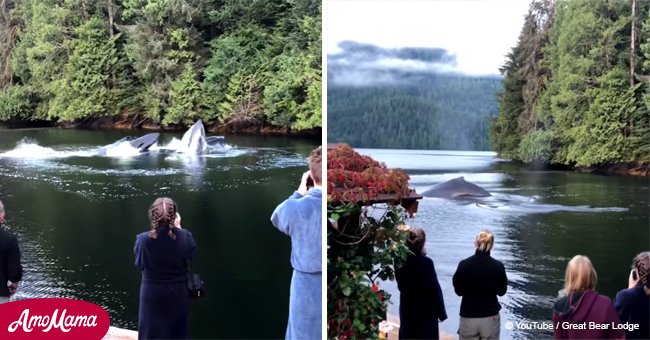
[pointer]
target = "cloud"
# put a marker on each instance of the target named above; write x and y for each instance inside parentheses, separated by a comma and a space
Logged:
(361, 64)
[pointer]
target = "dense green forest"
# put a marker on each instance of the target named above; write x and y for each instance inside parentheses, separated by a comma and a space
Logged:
(418, 104)
(575, 88)
(233, 63)
(437, 112)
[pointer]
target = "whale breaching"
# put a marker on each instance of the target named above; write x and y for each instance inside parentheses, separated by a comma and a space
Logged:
(456, 188)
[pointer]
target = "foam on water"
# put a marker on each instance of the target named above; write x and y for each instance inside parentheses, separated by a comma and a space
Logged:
(26, 149)
(30, 150)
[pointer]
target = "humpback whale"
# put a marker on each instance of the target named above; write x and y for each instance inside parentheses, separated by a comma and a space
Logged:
(195, 141)
(456, 188)
(141, 143)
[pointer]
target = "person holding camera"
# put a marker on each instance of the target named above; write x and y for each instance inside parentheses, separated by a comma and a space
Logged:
(479, 279)
(11, 271)
(300, 217)
(162, 254)
(633, 304)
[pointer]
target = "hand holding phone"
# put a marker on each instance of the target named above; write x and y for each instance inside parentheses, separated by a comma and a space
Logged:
(303, 188)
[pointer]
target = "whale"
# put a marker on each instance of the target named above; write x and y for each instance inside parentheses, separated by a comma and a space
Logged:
(457, 188)
(142, 143)
(195, 141)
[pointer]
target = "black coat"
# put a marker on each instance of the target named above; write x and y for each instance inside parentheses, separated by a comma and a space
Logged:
(421, 302)
(10, 268)
(633, 306)
(479, 279)
(164, 311)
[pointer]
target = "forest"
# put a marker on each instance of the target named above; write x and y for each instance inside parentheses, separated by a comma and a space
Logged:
(440, 112)
(575, 88)
(419, 104)
(238, 65)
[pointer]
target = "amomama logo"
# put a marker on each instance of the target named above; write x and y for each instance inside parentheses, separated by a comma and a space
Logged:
(52, 318)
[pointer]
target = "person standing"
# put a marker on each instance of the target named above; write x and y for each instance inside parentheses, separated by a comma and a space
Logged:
(633, 304)
(162, 254)
(11, 271)
(421, 304)
(581, 305)
(479, 279)
(300, 217)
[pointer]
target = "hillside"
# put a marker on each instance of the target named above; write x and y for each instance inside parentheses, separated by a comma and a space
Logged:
(407, 98)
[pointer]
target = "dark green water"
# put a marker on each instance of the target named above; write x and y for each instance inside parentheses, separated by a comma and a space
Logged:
(540, 220)
(76, 216)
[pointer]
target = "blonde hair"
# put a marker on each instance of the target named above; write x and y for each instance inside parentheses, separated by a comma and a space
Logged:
(580, 275)
(484, 240)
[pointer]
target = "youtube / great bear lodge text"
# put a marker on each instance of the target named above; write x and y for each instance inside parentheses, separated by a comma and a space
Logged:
(521, 325)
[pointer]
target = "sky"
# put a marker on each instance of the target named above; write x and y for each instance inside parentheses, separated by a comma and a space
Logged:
(479, 32)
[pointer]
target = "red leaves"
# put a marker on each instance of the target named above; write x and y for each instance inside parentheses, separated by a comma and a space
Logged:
(356, 178)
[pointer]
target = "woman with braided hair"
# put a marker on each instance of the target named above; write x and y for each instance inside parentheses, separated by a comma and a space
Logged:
(633, 303)
(162, 254)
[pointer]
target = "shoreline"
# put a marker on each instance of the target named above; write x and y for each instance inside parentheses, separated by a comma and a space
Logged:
(108, 123)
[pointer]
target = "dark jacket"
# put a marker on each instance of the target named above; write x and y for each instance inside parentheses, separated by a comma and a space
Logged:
(10, 268)
(421, 303)
(479, 279)
(164, 310)
(578, 310)
(633, 306)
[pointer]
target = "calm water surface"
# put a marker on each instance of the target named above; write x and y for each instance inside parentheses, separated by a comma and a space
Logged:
(540, 220)
(76, 216)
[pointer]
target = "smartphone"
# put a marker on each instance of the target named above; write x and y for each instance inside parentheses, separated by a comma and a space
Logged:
(634, 275)
(310, 182)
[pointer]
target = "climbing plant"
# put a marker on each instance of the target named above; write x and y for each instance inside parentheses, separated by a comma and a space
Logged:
(366, 238)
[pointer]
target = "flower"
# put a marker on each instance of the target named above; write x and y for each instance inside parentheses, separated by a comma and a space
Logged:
(403, 227)
(385, 327)
(374, 288)
(381, 296)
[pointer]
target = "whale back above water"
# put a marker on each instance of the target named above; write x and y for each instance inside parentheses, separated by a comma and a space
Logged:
(145, 142)
(456, 188)
(142, 143)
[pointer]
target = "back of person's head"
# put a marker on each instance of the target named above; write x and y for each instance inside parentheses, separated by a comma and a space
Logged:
(316, 165)
(484, 241)
(642, 266)
(580, 275)
(162, 213)
(416, 241)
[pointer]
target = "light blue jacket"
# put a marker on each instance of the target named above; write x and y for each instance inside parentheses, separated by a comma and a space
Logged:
(301, 218)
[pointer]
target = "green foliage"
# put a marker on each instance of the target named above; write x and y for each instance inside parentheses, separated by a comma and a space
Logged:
(536, 146)
(85, 90)
(16, 103)
(167, 62)
(360, 252)
(186, 98)
(591, 108)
